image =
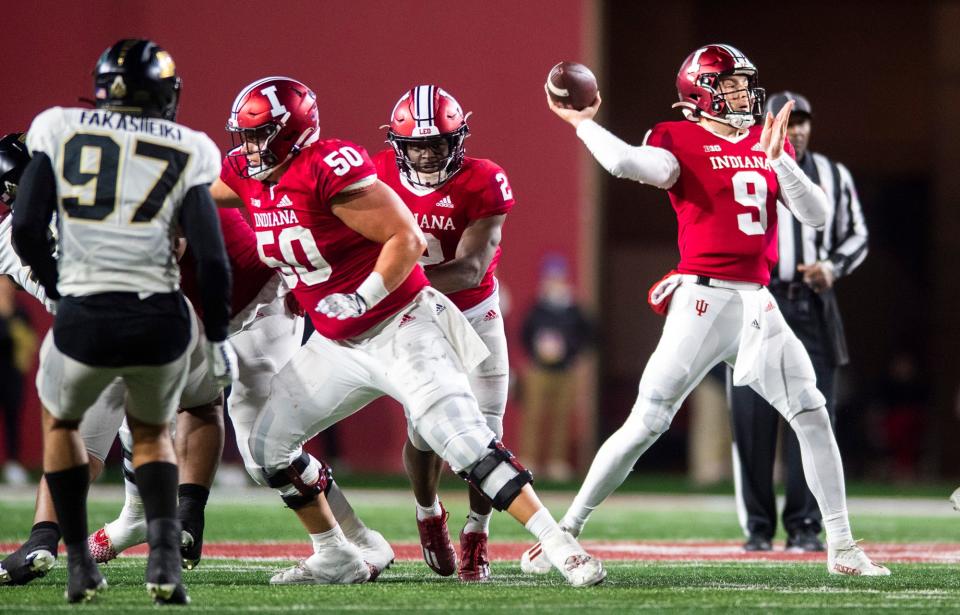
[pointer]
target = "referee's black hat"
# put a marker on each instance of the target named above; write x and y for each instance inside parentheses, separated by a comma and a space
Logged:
(775, 102)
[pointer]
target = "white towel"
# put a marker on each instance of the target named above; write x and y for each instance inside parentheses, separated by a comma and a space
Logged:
(466, 343)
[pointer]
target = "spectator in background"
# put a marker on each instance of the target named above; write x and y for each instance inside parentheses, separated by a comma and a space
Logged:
(811, 261)
(18, 345)
(555, 331)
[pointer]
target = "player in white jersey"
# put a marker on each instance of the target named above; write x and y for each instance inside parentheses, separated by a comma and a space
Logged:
(265, 329)
(121, 178)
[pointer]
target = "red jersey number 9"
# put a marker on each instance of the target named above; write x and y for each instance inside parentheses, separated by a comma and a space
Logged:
(750, 190)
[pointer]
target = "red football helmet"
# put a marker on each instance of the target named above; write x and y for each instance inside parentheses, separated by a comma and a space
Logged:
(698, 85)
(271, 120)
(429, 118)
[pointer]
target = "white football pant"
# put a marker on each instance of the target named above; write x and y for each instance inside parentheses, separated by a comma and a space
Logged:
(489, 381)
(744, 328)
(420, 357)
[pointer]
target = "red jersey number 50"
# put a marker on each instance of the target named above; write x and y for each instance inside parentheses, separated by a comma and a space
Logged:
(315, 271)
(342, 159)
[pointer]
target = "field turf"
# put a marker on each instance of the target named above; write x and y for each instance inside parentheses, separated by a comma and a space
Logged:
(240, 586)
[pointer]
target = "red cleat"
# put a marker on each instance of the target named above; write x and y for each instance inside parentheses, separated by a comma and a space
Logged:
(474, 564)
(100, 547)
(438, 551)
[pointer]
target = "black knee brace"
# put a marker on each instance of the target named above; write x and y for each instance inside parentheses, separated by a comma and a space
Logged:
(498, 476)
(293, 475)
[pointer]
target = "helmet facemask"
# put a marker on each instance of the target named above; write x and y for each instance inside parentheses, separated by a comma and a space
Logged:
(720, 109)
(253, 143)
(438, 169)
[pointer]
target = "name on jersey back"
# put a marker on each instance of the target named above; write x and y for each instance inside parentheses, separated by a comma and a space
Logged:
(132, 123)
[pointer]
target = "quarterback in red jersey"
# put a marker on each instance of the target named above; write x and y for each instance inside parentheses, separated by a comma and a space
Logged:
(348, 248)
(460, 204)
(724, 176)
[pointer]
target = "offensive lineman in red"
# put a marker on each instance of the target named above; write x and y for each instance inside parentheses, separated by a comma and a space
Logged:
(724, 176)
(460, 204)
(348, 249)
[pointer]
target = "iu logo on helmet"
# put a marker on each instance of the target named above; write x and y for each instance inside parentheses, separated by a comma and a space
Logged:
(276, 107)
(701, 306)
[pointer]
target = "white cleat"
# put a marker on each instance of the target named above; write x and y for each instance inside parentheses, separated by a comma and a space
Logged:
(533, 561)
(577, 567)
(852, 561)
(374, 549)
(342, 564)
(955, 499)
(583, 570)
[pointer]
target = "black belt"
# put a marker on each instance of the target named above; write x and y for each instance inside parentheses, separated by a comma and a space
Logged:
(703, 280)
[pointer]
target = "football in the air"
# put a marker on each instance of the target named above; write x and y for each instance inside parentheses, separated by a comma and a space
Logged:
(572, 84)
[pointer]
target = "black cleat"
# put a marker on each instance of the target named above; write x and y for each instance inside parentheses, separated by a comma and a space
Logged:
(191, 542)
(168, 594)
(756, 542)
(804, 541)
(84, 580)
(23, 565)
(34, 558)
(164, 562)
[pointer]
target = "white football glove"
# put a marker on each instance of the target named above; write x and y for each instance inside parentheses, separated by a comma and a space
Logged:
(342, 306)
(222, 362)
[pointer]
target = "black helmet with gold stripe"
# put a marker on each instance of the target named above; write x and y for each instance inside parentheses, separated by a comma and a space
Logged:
(137, 76)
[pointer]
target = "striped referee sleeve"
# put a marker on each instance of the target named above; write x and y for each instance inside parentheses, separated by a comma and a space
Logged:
(849, 227)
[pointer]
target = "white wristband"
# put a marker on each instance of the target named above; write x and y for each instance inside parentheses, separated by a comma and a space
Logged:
(372, 290)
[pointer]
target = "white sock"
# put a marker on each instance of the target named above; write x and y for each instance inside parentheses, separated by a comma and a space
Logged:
(838, 531)
(130, 527)
(823, 470)
(345, 515)
(330, 538)
(542, 525)
(425, 512)
(611, 466)
(130, 490)
(477, 523)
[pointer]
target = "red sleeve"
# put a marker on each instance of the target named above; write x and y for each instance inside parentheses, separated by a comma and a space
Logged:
(338, 164)
(383, 160)
(228, 175)
(659, 136)
(241, 242)
(496, 194)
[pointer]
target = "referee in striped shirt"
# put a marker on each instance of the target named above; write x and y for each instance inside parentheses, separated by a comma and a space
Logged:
(811, 262)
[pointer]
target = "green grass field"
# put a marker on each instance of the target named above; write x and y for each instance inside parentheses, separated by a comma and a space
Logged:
(222, 585)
